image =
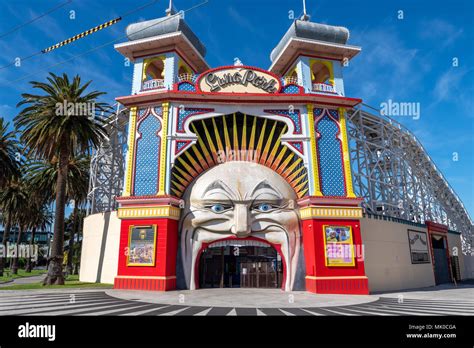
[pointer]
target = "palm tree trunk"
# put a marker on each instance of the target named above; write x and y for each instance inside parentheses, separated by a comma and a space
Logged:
(29, 264)
(79, 246)
(55, 269)
(6, 235)
(17, 256)
(71, 240)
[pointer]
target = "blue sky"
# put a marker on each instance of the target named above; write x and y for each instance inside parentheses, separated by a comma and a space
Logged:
(406, 60)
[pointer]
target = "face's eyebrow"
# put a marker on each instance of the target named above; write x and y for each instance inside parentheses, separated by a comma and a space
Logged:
(219, 185)
(268, 189)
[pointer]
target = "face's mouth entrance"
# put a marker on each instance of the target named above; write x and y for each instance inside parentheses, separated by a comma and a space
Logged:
(284, 248)
(240, 263)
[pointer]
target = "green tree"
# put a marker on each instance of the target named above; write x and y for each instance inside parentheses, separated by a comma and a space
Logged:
(9, 150)
(51, 131)
(14, 200)
(39, 218)
(43, 176)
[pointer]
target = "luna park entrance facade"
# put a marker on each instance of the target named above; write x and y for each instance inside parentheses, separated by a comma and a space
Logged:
(240, 264)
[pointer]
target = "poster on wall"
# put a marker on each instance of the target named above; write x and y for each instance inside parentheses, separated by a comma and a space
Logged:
(141, 246)
(418, 242)
(338, 245)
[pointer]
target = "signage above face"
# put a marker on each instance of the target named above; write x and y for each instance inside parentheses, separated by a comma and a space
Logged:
(239, 79)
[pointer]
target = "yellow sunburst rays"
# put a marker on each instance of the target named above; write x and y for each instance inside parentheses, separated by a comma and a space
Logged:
(210, 147)
(236, 139)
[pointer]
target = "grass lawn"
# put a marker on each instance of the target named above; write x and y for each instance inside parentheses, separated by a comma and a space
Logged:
(72, 281)
(21, 273)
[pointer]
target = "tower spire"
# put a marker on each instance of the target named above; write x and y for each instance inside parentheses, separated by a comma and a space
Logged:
(305, 16)
(169, 10)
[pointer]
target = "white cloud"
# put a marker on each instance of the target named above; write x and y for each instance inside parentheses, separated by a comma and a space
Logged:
(438, 30)
(448, 85)
(237, 18)
(386, 68)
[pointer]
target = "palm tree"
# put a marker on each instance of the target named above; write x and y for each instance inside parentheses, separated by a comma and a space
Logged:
(50, 130)
(43, 176)
(14, 199)
(39, 218)
(81, 214)
(9, 148)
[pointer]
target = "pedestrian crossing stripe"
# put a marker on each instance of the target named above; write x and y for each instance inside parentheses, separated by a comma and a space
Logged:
(83, 34)
(102, 303)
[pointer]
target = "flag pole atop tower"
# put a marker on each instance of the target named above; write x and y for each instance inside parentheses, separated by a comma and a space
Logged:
(305, 16)
(169, 10)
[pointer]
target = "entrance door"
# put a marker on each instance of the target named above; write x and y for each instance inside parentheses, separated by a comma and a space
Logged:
(237, 266)
(441, 264)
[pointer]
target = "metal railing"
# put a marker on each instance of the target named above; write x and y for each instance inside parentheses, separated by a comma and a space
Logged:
(153, 84)
(187, 77)
(291, 80)
(323, 87)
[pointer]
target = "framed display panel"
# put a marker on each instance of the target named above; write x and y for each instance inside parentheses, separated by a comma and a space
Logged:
(141, 245)
(418, 242)
(338, 246)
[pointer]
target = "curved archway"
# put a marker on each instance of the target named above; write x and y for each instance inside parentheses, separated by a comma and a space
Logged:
(320, 73)
(153, 69)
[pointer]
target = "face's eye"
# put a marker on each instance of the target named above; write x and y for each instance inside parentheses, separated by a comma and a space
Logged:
(218, 208)
(264, 207)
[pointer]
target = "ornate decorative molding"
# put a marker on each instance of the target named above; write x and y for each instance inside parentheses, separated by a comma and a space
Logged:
(330, 212)
(345, 153)
(163, 149)
(314, 160)
(131, 150)
(164, 211)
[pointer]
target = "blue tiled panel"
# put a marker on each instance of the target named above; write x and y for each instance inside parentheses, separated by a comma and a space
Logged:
(290, 89)
(180, 145)
(330, 158)
(298, 146)
(182, 115)
(186, 86)
(294, 116)
(147, 157)
(334, 114)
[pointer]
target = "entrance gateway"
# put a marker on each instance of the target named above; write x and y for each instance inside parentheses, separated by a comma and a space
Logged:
(243, 263)
(243, 153)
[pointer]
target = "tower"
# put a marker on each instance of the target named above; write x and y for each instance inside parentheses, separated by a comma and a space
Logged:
(165, 53)
(313, 55)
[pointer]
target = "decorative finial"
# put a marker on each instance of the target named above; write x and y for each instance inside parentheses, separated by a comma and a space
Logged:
(169, 10)
(305, 16)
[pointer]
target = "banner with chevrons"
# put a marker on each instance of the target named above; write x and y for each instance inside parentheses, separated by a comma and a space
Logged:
(83, 34)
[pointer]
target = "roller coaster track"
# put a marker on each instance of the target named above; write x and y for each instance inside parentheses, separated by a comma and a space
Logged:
(396, 177)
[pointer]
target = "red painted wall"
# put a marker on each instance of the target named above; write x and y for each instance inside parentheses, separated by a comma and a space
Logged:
(165, 257)
(314, 252)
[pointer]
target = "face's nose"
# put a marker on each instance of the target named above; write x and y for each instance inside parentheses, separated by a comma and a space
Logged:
(241, 226)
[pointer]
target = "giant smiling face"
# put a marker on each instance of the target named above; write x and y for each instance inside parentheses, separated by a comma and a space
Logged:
(239, 199)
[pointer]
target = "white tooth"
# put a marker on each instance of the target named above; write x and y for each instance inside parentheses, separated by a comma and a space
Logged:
(196, 247)
(186, 257)
(279, 237)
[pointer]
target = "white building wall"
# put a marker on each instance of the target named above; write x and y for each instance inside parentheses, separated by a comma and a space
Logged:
(100, 246)
(387, 257)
